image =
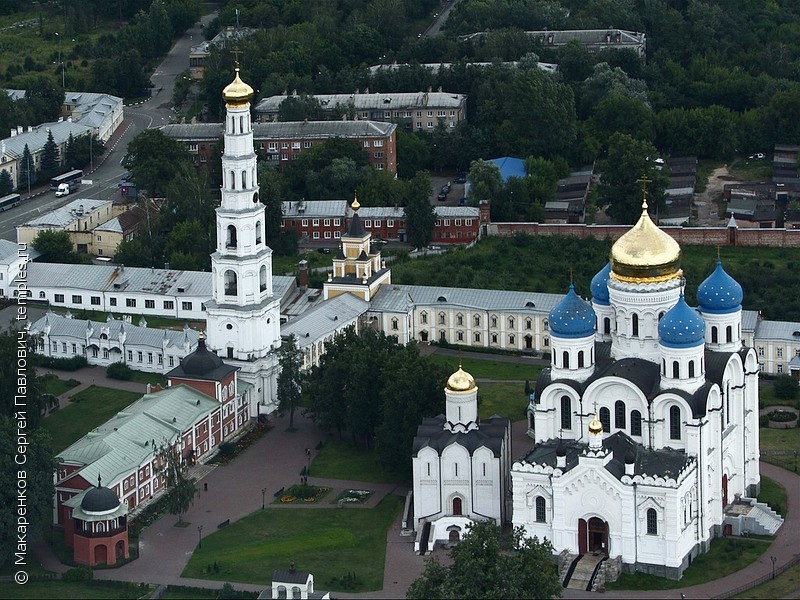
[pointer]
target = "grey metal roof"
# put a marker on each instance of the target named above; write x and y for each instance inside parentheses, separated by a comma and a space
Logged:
(490, 434)
(285, 130)
(279, 576)
(9, 252)
(584, 36)
(67, 214)
(89, 108)
(376, 101)
(37, 137)
(324, 318)
(783, 331)
(749, 320)
(394, 298)
(113, 225)
(314, 208)
(436, 67)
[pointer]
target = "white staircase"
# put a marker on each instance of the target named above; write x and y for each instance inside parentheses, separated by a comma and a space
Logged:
(765, 521)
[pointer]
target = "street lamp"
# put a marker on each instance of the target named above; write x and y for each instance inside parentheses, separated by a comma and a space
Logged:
(199, 536)
(60, 64)
(773, 559)
(263, 494)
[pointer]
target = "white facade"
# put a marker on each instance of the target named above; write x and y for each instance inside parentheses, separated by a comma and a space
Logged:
(675, 412)
(460, 467)
(243, 316)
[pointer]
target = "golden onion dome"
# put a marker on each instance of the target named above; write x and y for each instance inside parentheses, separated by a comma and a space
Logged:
(645, 254)
(460, 381)
(237, 92)
(355, 205)
(595, 426)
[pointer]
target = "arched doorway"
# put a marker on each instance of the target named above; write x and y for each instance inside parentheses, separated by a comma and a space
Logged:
(593, 536)
(423, 335)
(529, 342)
(453, 536)
(457, 509)
(724, 491)
(100, 554)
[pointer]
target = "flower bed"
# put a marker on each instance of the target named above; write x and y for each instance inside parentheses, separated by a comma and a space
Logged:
(353, 496)
(782, 419)
(303, 494)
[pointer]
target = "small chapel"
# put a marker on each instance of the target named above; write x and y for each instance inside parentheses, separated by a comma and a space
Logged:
(646, 422)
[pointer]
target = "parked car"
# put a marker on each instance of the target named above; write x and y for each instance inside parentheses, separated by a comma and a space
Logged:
(126, 177)
(324, 250)
(442, 196)
(462, 178)
(446, 188)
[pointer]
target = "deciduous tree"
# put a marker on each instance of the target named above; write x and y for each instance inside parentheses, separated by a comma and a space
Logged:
(290, 379)
(153, 158)
(55, 246)
(179, 488)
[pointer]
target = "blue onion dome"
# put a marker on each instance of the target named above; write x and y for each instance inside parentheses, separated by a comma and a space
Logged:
(681, 327)
(572, 317)
(719, 293)
(599, 285)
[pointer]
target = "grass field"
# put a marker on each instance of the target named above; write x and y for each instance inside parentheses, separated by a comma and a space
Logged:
(282, 265)
(88, 409)
(774, 494)
(502, 398)
(328, 542)
(145, 378)
(490, 369)
(152, 320)
(54, 385)
(766, 397)
(64, 589)
(780, 439)
(342, 460)
(726, 556)
(783, 586)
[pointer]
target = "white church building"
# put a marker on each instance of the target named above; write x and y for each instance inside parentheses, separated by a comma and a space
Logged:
(646, 423)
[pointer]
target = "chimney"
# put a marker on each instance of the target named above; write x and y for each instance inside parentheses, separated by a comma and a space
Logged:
(19, 129)
(302, 275)
(630, 464)
(30, 128)
(291, 568)
(13, 132)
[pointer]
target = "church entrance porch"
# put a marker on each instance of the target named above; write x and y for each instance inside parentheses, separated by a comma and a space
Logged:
(593, 536)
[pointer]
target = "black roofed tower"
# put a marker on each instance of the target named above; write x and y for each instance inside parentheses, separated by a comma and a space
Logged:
(357, 269)
(243, 315)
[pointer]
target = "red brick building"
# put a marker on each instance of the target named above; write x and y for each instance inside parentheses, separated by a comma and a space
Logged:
(282, 142)
(202, 407)
(326, 220)
(97, 531)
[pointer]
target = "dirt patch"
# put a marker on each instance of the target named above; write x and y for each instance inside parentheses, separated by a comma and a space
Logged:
(709, 205)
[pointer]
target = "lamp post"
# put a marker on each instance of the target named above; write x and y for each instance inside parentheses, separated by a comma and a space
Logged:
(263, 495)
(773, 559)
(60, 64)
(199, 536)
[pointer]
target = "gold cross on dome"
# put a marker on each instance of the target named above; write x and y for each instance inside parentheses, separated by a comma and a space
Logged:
(644, 181)
(236, 53)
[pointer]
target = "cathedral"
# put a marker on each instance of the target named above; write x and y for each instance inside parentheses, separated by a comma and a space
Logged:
(646, 422)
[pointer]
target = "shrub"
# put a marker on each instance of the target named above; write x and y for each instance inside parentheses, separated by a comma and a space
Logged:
(78, 574)
(786, 387)
(303, 491)
(782, 416)
(119, 370)
(63, 364)
(227, 450)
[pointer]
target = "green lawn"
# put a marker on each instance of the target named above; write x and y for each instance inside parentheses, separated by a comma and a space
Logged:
(145, 378)
(64, 589)
(752, 170)
(88, 409)
(179, 592)
(766, 396)
(726, 556)
(342, 460)
(774, 494)
(53, 385)
(282, 265)
(780, 439)
(490, 369)
(502, 398)
(783, 586)
(328, 542)
(152, 320)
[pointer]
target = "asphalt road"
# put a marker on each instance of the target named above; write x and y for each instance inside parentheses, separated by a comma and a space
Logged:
(155, 112)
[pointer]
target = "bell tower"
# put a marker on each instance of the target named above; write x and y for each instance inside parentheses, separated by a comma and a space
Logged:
(243, 315)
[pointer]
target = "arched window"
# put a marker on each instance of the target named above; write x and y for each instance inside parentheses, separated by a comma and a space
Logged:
(262, 278)
(258, 232)
(661, 314)
(511, 322)
(281, 591)
(652, 522)
(541, 514)
(297, 593)
(494, 338)
(494, 321)
(635, 325)
(231, 289)
(241, 124)
(423, 318)
(233, 180)
(566, 412)
(512, 340)
(674, 422)
(528, 324)
(441, 319)
(729, 334)
(244, 180)
(607, 326)
(394, 324)
(619, 414)
(714, 335)
(605, 419)
(230, 239)
(676, 370)
(636, 422)
(565, 360)
(477, 321)
(691, 368)
(580, 359)
(457, 508)
(459, 319)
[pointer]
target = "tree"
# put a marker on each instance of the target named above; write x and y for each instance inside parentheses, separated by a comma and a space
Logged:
(786, 387)
(413, 153)
(6, 185)
(153, 158)
(290, 379)
(485, 180)
(188, 246)
(483, 568)
(628, 161)
(55, 246)
(180, 490)
(50, 160)
(27, 171)
(300, 108)
(420, 216)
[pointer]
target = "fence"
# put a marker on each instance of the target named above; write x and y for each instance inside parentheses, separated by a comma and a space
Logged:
(760, 580)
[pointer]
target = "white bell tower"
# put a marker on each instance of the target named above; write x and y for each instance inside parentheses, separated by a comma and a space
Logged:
(243, 316)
